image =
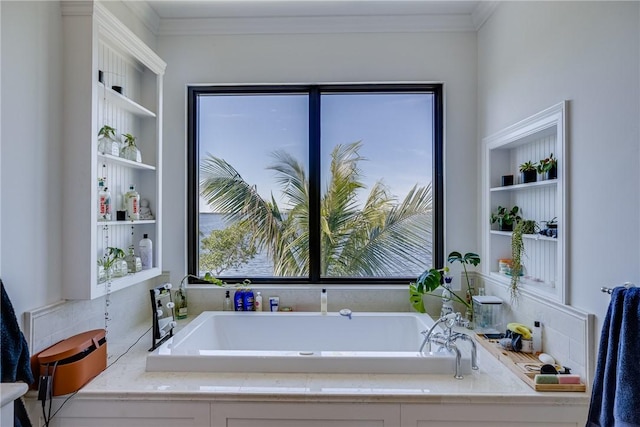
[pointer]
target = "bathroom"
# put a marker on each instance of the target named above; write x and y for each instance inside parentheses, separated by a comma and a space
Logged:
(523, 58)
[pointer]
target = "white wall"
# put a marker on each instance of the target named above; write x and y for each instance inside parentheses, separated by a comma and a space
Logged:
(31, 141)
(532, 55)
(316, 58)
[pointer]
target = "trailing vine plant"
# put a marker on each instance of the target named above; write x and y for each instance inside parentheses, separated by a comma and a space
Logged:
(517, 250)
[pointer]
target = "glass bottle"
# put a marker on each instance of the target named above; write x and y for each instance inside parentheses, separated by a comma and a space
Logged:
(227, 305)
(181, 303)
(130, 150)
(134, 265)
(107, 143)
(104, 201)
(132, 202)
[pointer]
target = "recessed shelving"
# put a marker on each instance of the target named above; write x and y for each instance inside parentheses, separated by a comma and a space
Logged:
(516, 187)
(129, 163)
(525, 236)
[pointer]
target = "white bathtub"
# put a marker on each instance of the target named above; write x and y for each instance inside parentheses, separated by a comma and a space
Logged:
(304, 342)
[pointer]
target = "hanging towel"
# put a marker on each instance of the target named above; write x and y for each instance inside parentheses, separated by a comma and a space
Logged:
(615, 395)
(14, 354)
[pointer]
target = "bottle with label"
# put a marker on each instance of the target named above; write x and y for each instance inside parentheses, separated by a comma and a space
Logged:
(134, 264)
(258, 302)
(536, 338)
(104, 201)
(227, 305)
(323, 302)
(181, 303)
(238, 300)
(132, 201)
(248, 300)
(146, 252)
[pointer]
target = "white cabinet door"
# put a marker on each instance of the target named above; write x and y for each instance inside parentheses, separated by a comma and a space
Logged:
(491, 415)
(117, 413)
(251, 414)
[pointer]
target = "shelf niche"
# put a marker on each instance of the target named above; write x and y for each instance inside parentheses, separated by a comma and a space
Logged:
(531, 139)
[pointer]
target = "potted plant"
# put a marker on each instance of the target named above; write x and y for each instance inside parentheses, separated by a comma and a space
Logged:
(505, 217)
(431, 279)
(130, 150)
(528, 172)
(549, 167)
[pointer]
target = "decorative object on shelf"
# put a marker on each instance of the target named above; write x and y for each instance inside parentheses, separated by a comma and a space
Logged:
(505, 217)
(431, 279)
(107, 262)
(517, 250)
(549, 167)
(134, 264)
(528, 172)
(145, 211)
(132, 201)
(104, 201)
(552, 228)
(146, 252)
(529, 226)
(507, 180)
(130, 150)
(107, 143)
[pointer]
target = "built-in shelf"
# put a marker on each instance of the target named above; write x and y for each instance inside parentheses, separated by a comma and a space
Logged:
(525, 236)
(123, 102)
(130, 163)
(544, 259)
(516, 187)
(130, 279)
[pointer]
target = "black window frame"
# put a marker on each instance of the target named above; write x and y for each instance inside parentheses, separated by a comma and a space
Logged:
(314, 92)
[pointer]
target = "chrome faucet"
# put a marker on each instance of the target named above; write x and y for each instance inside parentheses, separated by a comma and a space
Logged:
(448, 339)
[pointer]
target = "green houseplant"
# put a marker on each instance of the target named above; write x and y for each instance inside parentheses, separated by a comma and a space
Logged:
(130, 151)
(505, 217)
(549, 167)
(517, 250)
(431, 279)
(528, 172)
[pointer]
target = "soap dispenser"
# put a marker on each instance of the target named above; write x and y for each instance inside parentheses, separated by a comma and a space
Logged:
(227, 305)
(323, 302)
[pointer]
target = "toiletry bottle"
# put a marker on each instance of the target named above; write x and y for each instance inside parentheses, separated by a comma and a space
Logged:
(323, 302)
(238, 300)
(248, 300)
(132, 199)
(181, 303)
(258, 302)
(133, 261)
(227, 305)
(104, 201)
(146, 252)
(536, 338)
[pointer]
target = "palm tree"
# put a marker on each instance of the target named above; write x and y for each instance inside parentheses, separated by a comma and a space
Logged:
(356, 241)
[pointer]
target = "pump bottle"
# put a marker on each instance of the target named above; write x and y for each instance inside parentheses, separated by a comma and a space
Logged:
(227, 305)
(257, 304)
(323, 302)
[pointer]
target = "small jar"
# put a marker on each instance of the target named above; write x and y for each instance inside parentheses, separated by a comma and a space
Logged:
(504, 266)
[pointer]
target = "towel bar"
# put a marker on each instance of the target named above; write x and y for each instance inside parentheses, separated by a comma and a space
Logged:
(609, 290)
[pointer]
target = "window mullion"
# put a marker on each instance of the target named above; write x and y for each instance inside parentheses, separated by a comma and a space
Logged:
(314, 185)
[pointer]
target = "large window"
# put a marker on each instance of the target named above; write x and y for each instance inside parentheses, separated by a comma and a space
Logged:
(315, 184)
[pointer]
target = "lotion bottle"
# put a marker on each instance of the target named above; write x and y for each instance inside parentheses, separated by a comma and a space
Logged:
(257, 304)
(146, 252)
(227, 305)
(323, 302)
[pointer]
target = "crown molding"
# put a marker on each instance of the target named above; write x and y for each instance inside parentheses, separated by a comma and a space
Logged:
(145, 14)
(317, 24)
(482, 12)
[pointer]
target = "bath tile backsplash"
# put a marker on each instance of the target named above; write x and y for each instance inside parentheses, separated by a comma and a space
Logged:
(128, 307)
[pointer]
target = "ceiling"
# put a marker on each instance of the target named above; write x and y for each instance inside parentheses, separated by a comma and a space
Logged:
(181, 17)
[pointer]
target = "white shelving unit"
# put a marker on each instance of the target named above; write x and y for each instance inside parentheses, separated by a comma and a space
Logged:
(95, 40)
(531, 139)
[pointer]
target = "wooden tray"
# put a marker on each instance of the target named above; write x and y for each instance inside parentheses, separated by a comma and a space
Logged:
(521, 363)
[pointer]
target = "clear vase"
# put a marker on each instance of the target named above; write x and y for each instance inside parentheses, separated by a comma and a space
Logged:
(130, 151)
(108, 145)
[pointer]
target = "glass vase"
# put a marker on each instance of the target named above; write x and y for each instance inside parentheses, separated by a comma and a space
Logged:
(108, 145)
(131, 152)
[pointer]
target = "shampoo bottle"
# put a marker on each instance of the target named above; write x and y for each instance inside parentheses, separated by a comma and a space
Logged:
(146, 252)
(323, 302)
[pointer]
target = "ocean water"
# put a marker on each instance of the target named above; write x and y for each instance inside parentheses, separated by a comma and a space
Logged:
(259, 266)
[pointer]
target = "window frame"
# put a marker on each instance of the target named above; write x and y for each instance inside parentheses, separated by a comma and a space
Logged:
(314, 92)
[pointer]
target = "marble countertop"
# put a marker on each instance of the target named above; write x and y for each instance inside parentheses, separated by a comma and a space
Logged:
(126, 376)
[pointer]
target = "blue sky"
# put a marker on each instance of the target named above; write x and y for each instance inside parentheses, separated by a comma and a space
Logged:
(395, 130)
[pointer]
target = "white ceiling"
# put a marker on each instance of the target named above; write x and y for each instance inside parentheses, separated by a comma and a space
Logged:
(176, 9)
(182, 17)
